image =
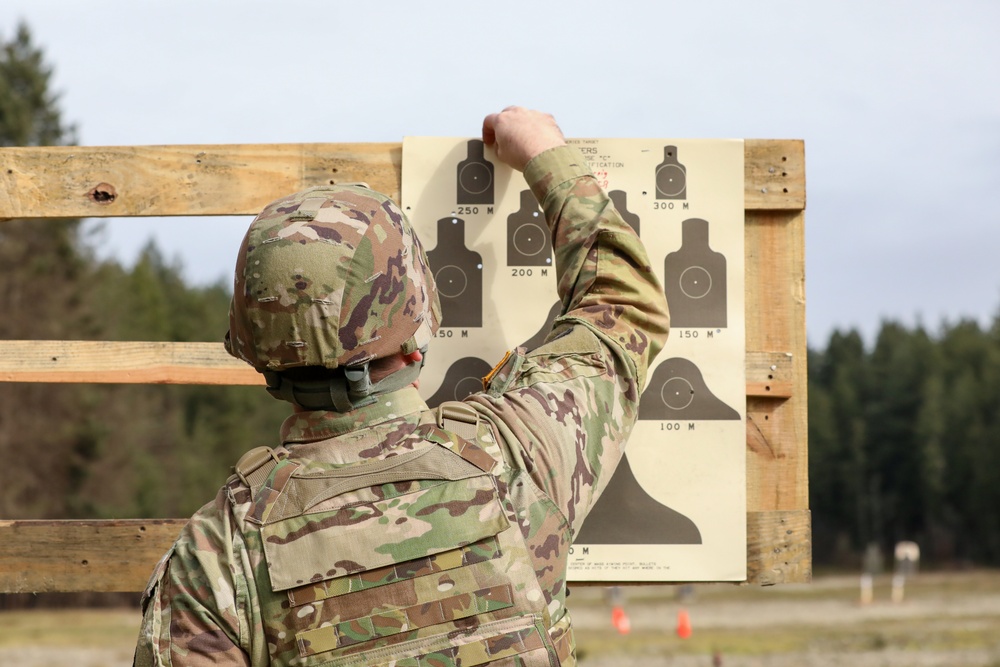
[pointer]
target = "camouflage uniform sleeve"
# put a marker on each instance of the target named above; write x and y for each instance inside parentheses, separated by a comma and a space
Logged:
(195, 609)
(605, 279)
(567, 408)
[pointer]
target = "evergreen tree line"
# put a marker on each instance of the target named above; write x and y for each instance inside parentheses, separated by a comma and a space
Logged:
(904, 443)
(92, 450)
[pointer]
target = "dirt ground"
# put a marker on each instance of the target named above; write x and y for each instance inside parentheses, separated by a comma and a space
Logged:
(944, 620)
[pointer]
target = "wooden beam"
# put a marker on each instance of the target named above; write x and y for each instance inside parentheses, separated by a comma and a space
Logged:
(122, 362)
(77, 556)
(119, 555)
(208, 363)
(82, 181)
(777, 430)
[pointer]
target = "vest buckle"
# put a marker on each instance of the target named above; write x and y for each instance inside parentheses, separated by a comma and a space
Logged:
(459, 418)
(255, 466)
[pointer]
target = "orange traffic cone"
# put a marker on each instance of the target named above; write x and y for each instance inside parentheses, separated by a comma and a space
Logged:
(620, 620)
(683, 624)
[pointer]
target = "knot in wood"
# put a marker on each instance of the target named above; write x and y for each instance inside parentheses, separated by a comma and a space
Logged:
(103, 193)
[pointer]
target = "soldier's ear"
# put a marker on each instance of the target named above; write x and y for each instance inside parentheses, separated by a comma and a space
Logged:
(414, 357)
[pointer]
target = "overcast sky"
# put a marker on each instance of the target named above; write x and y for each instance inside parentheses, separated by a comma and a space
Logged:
(898, 103)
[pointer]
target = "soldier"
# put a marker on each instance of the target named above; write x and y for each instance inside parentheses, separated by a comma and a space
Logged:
(382, 532)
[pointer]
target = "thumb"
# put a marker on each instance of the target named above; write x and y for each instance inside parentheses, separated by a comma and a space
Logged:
(489, 129)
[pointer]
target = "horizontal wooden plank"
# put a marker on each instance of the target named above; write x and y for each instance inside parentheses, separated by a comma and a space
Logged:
(769, 374)
(77, 556)
(208, 363)
(122, 362)
(769, 389)
(82, 181)
(119, 555)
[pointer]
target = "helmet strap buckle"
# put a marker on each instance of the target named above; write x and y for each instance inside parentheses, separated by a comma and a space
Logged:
(347, 390)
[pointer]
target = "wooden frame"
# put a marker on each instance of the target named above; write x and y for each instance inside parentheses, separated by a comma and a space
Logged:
(116, 555)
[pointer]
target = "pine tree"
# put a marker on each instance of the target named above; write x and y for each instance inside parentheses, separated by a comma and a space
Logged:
(838, 460)
(41, 288)
(29, 110)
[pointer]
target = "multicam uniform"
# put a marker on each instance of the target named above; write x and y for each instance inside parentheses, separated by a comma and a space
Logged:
(555, 421)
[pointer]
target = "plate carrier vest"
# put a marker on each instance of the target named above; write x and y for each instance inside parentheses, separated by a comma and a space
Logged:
(414, 560)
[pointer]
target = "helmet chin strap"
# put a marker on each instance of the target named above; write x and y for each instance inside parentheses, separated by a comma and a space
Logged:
(345, 391)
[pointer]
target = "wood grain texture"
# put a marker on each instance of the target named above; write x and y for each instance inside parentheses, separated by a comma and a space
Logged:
(769, 374)
(208, 363)
(77, 556)
(777, 431)
(122, 362)
(774, 175)
(119, 555)
(82, 181)
(779, 547)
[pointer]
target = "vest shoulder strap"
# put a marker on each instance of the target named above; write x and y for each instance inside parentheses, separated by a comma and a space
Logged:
(456, 427)
(255, 466)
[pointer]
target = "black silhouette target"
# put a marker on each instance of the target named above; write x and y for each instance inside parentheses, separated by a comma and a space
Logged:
(620, 199)
(677, 390)
(694, 280)
(528, 240)
(463, 378)
(458, 274)
(626, 514)
(671, 176)
(474, 176)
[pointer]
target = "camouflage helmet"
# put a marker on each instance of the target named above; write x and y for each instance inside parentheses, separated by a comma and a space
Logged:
(332, 276)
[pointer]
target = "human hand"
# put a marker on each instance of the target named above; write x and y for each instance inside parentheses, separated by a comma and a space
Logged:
(520, 134)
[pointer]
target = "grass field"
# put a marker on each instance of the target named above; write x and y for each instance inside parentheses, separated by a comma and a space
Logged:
(945, 620)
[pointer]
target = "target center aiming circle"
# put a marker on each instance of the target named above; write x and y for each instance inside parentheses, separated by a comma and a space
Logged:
(466, 386)
(451, 281)
(670, 180)
(696, 282)
(475, 178)
(529, 239)
(677, 393)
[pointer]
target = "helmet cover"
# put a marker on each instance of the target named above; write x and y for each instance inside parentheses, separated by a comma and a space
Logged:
(331, 276)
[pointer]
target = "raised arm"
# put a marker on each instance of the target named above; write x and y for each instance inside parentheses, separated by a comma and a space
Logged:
(571, 403)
